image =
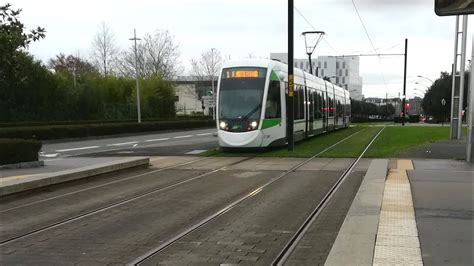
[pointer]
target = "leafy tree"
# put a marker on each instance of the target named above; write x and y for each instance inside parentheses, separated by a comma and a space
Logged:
(386, 111)
(441, 89)
(18, 70)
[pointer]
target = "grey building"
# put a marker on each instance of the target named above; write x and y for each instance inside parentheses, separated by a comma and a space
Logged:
(343, 71)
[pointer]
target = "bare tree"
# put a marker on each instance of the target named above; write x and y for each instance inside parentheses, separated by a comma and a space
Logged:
(208, 66)
(158, 54)
(104, 49)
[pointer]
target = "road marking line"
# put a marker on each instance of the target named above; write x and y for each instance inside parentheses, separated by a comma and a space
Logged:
(182, 137)
(124, 143)
(204, 134)
(150, 140)
(196, 152)
(77, 149)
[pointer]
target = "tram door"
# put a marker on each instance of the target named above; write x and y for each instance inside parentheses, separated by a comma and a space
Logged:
(325, 109)
(311, 111)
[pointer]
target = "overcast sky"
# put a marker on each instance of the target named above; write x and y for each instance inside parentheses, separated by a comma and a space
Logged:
(239, 28)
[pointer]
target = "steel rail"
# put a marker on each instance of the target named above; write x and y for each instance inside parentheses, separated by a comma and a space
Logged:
(291, 245)
(103, 185)
(143, 258)
(112, 205)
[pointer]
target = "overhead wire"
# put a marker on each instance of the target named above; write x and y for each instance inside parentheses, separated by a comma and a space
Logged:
(309, 23)
(370, 40)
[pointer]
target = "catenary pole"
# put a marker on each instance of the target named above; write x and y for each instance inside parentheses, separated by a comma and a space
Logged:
(290, 77)
(470, 115)
(404, 84)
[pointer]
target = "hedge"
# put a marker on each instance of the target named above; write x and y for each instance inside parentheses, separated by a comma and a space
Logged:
(89, 122)
(79, 131)
(18, 150)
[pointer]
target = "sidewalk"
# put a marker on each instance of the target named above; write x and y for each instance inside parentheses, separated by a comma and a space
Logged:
(420, 213)
(62, 170)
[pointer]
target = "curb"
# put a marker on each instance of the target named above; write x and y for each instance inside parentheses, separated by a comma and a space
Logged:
(355, 242)
(42, 180)
(22, 165)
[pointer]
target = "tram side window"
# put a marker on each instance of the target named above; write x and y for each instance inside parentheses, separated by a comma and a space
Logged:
(273, 104)
(301, 102)
(317, 106)
(295, 103)
(339, 107)
(331, 105)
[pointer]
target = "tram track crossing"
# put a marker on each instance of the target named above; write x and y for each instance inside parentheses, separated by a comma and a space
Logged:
(143, 259)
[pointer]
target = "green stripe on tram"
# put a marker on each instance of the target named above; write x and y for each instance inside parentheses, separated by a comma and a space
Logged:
(267, 123)
(274, 76)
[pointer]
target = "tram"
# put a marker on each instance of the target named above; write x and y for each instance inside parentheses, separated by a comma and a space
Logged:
(251, 100)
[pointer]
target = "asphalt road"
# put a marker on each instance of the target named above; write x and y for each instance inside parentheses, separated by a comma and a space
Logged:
(165, 143)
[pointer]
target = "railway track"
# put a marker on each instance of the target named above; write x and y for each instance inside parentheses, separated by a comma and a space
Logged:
(56, 224)
(144, 259)
(5, 242)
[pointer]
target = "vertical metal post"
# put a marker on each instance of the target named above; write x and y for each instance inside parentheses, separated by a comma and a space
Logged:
(404, 84)
(310, 65)
(458, 80)
(290, 119)
(212, 85)
(135, 39)
(463, 72)
(470, 115)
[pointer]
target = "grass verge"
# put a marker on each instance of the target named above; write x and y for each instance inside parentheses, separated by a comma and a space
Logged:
(394, 140)
(353, 147)
(303, 149)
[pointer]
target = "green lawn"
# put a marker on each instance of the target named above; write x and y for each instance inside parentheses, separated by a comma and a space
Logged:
(306, 148)
(354, 146)
(393, 140)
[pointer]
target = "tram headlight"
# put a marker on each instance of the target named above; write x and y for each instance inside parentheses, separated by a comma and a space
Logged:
(253, 125)
(223, 125)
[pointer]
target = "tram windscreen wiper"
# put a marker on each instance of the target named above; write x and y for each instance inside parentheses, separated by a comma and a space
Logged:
(253, 111)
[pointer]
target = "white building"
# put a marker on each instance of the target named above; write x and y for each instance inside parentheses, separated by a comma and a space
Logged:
(189, 91)
(343, 71)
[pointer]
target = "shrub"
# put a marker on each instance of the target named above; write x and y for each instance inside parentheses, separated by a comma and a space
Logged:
(18, 150)
(79, 131)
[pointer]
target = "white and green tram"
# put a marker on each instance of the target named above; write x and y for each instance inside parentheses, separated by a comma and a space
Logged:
(251, 100)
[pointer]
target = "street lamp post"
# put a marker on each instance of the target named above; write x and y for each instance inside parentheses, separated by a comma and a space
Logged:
(426, 78)
(422, 85)
(135, 39)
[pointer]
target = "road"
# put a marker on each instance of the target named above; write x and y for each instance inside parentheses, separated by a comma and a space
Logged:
(165, 143)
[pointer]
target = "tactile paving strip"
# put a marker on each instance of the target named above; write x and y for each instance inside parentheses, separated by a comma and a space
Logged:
(397, 240)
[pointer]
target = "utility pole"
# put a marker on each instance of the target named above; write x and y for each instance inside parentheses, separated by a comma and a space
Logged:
(470, 114)
(289, 132)
(404, 84)
(212, 85)
(135, 39)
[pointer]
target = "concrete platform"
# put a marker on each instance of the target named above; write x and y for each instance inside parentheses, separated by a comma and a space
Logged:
(63, 170)
(422, 213)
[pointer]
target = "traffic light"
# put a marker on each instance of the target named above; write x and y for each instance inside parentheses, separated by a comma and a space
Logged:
(407, 105)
